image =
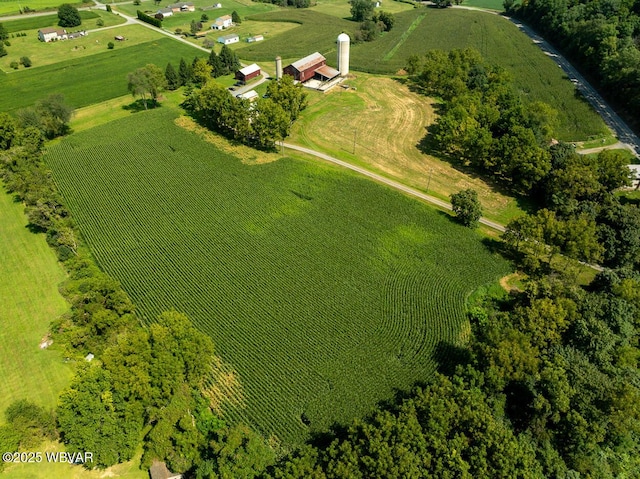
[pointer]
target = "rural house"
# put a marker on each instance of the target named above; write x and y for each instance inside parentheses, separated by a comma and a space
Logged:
(309, 67)
(165, 12)
(51, 34)
(229, 39)
(222, 22)
(248, 73)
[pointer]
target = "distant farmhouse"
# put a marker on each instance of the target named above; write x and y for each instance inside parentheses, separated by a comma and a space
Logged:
(182, 7)
(255, 38)
(248, 73)
(222, 22)
(165, 12)
(311, 66)
(52, 34)
(229, 39)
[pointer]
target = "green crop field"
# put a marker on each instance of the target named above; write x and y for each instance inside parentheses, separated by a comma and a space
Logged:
(342, 9)
(90, 79)
(29, 301)
(11, 7)
(322, 290)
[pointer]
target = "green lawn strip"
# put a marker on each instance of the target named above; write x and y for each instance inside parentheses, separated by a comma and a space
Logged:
(325, 291)
(29, 301)
(35, 23)
(404, 36)
(91, 79)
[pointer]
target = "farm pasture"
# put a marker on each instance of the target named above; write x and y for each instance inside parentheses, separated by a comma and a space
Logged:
(29, 301)
(324, 292)
(342, 9)
(89, 18)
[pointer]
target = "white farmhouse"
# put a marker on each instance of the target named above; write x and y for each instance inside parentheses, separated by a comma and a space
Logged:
(229, 39)
(52, 34)
(222, 22)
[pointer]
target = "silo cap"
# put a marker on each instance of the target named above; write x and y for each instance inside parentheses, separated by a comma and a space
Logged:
(343, 37)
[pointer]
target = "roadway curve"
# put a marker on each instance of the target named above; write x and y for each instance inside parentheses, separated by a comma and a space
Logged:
(393, 184)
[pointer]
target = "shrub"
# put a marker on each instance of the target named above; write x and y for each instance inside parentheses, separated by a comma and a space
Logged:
(14, 64)
(110, 45)
(7, 43)
(100, 22)
(25, 61)
(108, 8)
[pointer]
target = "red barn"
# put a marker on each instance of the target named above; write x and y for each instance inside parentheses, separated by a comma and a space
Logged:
(305, 68)
(247, 73)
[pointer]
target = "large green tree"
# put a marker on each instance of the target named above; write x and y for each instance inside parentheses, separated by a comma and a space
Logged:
(466, 207)
(68, 16)
(146, 82)
(361, 10)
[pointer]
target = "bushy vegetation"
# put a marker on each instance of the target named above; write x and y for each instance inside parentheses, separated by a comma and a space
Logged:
(68, 16)
(252, 253)
(156, 22)
(602, 37)
(288, 3)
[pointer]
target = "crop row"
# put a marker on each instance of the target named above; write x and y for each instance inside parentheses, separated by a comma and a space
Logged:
(303, 275)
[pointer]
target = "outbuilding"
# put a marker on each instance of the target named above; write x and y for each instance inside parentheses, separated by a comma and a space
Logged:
(229, 39)
(255, 38)
(251, 95)
(248, 73)
(222, 22)
(165, 12)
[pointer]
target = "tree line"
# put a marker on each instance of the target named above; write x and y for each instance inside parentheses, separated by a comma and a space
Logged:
(600, 37)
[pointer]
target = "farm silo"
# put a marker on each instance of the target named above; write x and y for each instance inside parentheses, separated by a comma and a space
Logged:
(343, 54)
(278, 68)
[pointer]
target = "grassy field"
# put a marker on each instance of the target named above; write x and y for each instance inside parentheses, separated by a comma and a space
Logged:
(13, 7)
(90, 79)
(324, 291)
(176, 20)
(52, 470)
(342, 9)
(387, 121)
(43, 54)
(29, 301)
(488, 4)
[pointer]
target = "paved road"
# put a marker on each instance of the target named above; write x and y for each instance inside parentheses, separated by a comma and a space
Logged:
(388, 182)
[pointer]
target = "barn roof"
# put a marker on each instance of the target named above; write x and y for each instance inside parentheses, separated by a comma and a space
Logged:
(328, 72)
(308, 61)
(250, 69)
(228, 37)
(59, 31)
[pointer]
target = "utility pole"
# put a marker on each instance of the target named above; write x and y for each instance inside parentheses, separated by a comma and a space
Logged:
(429, 181)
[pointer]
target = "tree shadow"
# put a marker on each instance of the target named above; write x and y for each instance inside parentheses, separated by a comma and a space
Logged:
(449, 356)
(139, 105)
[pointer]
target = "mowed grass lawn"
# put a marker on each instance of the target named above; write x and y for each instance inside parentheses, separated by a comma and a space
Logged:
(325, 292)
(29, 301)
(42, 54)
(387, 121)
(91, 79)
